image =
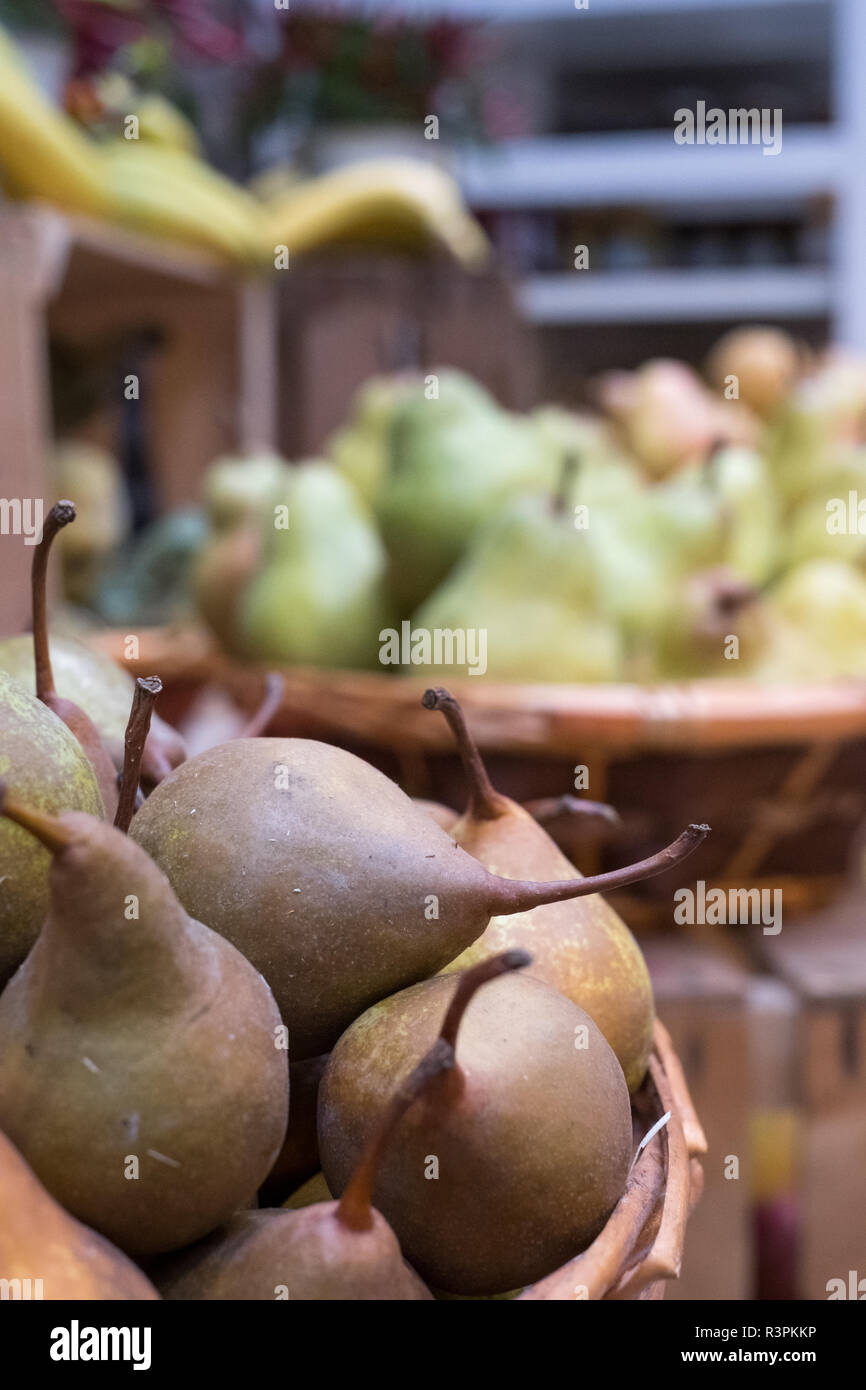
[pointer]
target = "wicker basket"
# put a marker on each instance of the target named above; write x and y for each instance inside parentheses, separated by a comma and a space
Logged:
(777, 771)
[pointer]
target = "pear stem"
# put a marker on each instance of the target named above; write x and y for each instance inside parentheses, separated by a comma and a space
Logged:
(60, 515)
(471, 980)
(547, 808)
(273, 698)
(567, 475)
(354, 1209)
(485, 803)
(138, 726)
(48, 829)
(508, 896)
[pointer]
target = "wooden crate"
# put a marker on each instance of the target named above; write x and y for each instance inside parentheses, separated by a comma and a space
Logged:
(823, 960)
(213, 382)
(702, 998)
(344, 318)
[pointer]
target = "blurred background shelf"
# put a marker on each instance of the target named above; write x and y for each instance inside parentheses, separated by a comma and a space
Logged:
(657, 296)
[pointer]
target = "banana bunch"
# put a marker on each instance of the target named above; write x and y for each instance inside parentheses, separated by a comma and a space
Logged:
(43, 154)
(170, 194)
(157, 184)
(383, 200)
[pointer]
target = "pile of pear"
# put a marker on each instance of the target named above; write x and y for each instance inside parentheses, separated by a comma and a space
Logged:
(693, 527)
(270, 965)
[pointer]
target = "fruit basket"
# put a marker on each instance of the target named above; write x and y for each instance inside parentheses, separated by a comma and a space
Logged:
(777, 770)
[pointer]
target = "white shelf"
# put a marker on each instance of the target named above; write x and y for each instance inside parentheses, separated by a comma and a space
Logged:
(649, 169)
(658, 296)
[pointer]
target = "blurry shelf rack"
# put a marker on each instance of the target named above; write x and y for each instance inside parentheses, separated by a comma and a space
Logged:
(819, 161)
(213, 382)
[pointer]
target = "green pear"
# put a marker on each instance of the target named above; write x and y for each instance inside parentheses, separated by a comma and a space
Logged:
(361, 448)
(528, 589)
(818, 526)
(822, 603)
(319, 597)
(456, 457)
(714, 625)
(741, 480)
(40, 755)
(239, 486)
(819, 427)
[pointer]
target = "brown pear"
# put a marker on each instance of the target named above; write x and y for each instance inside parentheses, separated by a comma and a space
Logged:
(315, 1250)
(298, 1159)
(45, 1253)
(582, 948)
(511, 1162)
(143, 1069)
(323, 873)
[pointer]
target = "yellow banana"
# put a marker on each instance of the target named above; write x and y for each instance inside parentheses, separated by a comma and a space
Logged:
(43, 154)
(174, 196)
(385, 200)
(161, 123)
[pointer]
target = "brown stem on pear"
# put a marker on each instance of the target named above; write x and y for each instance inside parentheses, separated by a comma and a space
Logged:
(273, 698)
(547, 808)
(138, 726)
(60, 515)
(76, 720)
(567, 475)
(507, 896)
(714, 448)
(485, 803)
(48, 829)
(471, 980)
(354, 1209)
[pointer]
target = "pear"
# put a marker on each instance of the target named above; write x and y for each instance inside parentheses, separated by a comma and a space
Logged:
(765, 362)
(751, 518)
(530, 1132)
(328, 878)
(237, 495)
(298, 1159)
(455, 457)
(93, 476)
(142, 1069)
(314, 1249)
(817, 526)
(361, 448)
(820, 426)
(86, 690)
(581, 948)
(528, 585)
(42, 757)
(667, 415)
(822, 604)
(716, 626)
(319, 596)
(42, 1244)
(237, 487)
